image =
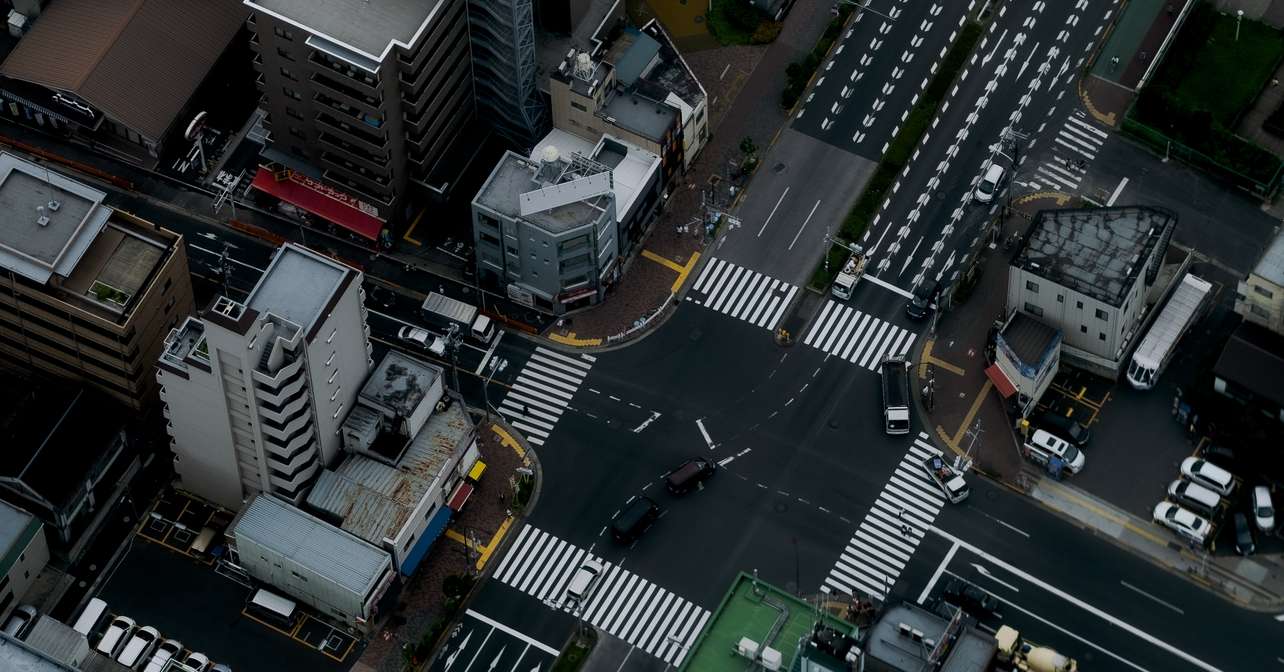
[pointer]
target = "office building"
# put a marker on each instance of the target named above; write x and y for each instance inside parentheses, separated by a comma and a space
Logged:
(1260, 296)
(502, 33)
(364, 101)
(1089, 273)
(256, 391)
(89, 292)
(24, 552)
(122, 74)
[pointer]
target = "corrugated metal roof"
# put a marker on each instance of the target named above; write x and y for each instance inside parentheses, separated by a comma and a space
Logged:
(310, 542)
(57, 640)
(137, 60)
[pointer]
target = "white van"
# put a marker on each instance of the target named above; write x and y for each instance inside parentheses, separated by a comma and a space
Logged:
(139, 647)
(168, 650)
(119, 630)
(1042, 446)
(1194, 496)
(1208, 475)
(91, 617)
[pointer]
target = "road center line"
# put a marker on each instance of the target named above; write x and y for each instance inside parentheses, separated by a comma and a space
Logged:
(1135, 589)
(772, 213)
(804, 224)
(1119, 189)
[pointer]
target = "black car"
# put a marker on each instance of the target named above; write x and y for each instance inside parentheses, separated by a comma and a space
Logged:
(923, 302)
(690, 474)
(1063, 428)
(971, 599)
(634, 519)
(1243, 535)
(1220, 455)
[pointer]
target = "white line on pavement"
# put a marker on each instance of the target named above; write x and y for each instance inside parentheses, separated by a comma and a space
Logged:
(936, 576)
(1135, 589)
(504, 628)
(773, 212)
(889, 286)
(704, 433)
(1118, 190)
(804, 224)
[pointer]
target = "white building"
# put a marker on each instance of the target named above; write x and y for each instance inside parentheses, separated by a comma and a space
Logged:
(24, 552)
(1027, 355)
(256, 391)
(1260, 296)
(1088, 273)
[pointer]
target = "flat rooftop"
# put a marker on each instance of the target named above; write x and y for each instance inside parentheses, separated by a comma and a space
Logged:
(755, 609)
(515, 175)
(647, 117)
(631, 166)
(16, 656)
(649, 55)
(369, 27)
(297, 285)
(74, 211)
(1271, 266)
(1096, 251)
(400, 383)
(1253, 358)
(13, 531)
(902, 652)
(585, 35)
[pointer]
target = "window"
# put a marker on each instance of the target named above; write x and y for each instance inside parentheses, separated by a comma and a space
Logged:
(1258, 311)
(291, 112)
(489, 238)
(1061, 298)
(1083, 328)
(1032, 286)
(1102, 315)
(330, 359)
(294, 130)
(333, 333)
(1033, 309)
(1263, 291)
(286, 73)
(283, 33)
(283, 53)
(169, 282)
(1078, 304)
(409, 541)
(337, 411)
(579, 107)
(291, 93)
(1101, 336)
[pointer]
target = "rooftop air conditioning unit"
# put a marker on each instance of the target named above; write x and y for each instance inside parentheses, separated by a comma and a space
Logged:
(43, 220)
(747, 648)
(771, 658)
(54, 205)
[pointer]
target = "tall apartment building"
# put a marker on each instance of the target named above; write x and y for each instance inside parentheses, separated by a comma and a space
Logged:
(362, 97)
(1260, 296)
(88, 292)
(256, 391)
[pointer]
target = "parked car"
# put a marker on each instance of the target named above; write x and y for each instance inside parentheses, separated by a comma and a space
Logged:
(1263, 509)
(1208, 475)
(20, 621)
(1043, 446)
(634, 519)
(1194, 496)
(197, 661)
(423, 339)
(1183, 522)
(1220, 455)
(581, 585)
(989, 184)
(1243, 535)
(114, 638)
(970, 598)
(139, 646)
(168, 649)
(690, 474)
(1063, 427)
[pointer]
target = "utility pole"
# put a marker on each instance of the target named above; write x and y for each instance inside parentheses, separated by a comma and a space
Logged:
(496, 365)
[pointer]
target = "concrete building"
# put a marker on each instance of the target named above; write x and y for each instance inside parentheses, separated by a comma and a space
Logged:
(1088, 273)
(367, 102)
(122, 74)
(23, 553)
(1260, 296)
(1027, 356)
(20, 656)
(311, 561)
(1250, 369)
(58, 641)
(256, 391)
(637, 88)
(404, 474)
(88, 292)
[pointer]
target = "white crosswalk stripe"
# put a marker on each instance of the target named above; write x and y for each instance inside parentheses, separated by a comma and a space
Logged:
(893, 528)
(642, 613)
(1073, 147)
(857, 337)
(742, 293)
(542, 390)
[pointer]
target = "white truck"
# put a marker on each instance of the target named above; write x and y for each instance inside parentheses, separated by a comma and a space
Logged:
(948, 479)
(446, 311)
(851, 274)
(894, 372)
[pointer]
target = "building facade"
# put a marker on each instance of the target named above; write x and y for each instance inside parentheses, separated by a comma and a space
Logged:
(502, 33)
(1260, 296)
(24, 552)
(88, 292)
(1088, 273)
(256, 391)
(1027, 356)
(367, 100)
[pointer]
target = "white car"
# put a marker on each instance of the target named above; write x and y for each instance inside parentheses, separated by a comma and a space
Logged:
(423, 339)
(197, 661)
(989, 184)
(1208, 475)
(167, 650)
(1263, 510)
(1182, 521)
(139, 646)
(1043, 446)
(581, 584)
(117, 632)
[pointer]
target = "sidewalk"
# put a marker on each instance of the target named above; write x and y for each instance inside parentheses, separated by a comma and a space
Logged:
(1131, 45)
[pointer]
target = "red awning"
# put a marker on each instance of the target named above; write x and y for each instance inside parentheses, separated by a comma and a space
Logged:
(325, 202)
(459, 496)
(1000, 380)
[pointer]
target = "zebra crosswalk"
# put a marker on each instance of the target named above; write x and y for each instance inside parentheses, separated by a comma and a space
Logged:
(1075, 145)
(629, 607)
(893, 528)
(742, 293)
(542, 391)
(858, 337)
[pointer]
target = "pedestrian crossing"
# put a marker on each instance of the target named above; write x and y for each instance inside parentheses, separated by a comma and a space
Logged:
(542, 391)
(742, 293)
(893, 528)
(1074, 147)
(629, 607)
(858, 337)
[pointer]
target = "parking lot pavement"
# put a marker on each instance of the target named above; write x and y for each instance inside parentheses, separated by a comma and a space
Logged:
(187, 600)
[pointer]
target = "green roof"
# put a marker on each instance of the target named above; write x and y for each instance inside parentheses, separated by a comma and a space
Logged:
(753, 608)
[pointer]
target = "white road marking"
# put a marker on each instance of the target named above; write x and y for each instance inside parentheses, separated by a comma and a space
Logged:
(1135, 589)
(704, 433)
(772, 213)
(804, 224)
(1118, 190)
(936, 576)
(509, 631)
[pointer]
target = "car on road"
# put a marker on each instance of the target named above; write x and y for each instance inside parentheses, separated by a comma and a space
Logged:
(1208, 475)
(1194, 496)
(989, 184)
(923, 303)
(20, 621)
(969, 598)
(114, 638)
(1244, 544)
(1042, 446)
(1063, 427)
(690, 475)
(581, 585)
(1263, 509)
(634, 519)
(168, 649)
(1183, 522)
(424, 339)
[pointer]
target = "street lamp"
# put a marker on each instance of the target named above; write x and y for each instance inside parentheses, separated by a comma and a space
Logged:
(496, 365)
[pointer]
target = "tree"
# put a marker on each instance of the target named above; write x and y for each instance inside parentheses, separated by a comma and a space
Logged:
(747, 146)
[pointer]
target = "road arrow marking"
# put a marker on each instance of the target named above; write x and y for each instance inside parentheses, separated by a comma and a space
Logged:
(499, 655)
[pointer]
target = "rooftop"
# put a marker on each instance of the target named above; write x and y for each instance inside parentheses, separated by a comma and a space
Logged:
(974, 650)
(1028, 338)
(515, 176)
(897, 651)
(370, 28)
(16, 656)
(755, 609)
(1099, 252)
(57, 640)
(1253, 358)
(340, 557)
(74, 211)
(399, 383)
(16, 529)
(297, 285)
(630, 110)
(1271, 266)
(631, 166)
(593, 27)
(106, 51)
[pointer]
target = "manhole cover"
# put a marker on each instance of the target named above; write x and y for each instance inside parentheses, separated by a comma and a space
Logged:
(778, 168)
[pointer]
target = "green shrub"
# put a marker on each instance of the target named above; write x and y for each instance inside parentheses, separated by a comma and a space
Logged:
(767, 32)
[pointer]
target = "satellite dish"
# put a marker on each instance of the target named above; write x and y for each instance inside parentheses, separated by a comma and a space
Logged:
(198, 124)
(551, 154)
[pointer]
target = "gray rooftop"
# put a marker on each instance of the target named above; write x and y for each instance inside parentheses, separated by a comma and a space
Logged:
(1271, 266)
(13, 529)
(636, 59)
(16, 656)
(515, 175)
(632, 111)
(38, 251)
(399, 383)
(297, 285)
(368, 27)
(660, 66)
(340, 557)
(900, 652)
(57, 640)
(1095, 251)
(1029, 338)
(972, 652)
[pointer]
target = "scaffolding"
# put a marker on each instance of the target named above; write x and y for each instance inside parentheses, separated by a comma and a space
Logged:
(502, 33)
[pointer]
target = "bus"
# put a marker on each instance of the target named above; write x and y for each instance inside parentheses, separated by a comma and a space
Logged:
(1181, 311)
(273, 609)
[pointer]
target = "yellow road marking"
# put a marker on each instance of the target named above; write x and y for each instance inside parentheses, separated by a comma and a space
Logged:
(570, 339)
(971, 413)
(457, 537)
(927, 358)
(1109, 515)
(1059, 197)
(406, 236)
(686, 271)
(508, 440)
(494, 542)
(672, 265)
(940, 431)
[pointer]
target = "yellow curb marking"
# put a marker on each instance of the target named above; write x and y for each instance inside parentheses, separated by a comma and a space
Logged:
(929, 359)
(571, 340)
(1060, 197)
(494, 542)
(407, 237)
(683, 270)
(971, 413)
(662, 261)
(508, 440)
(945, 438)
(1107, 119)
(1109, 515)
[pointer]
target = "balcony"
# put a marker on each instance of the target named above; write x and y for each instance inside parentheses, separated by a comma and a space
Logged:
(353, 93)
(349, 111)
(354, 133)
(357, 153)
(274, 381)
(292, 485)
(285, 434)
(281, 396)
(361, 80)
(344, 165)
(289, 449)
(371, 194)
(285, 413)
